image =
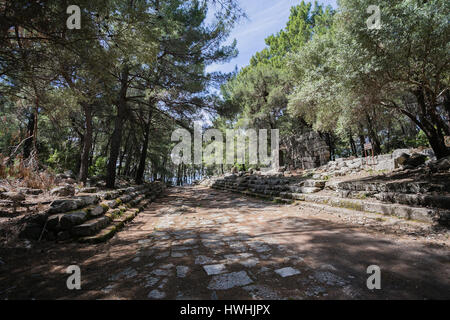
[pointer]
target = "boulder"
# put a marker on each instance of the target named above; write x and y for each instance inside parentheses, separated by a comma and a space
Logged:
(53, 222)
(400, 159)
(442, 164)
(315, 183)
(88, 190)
(415, 160)
(69, 220)
(65, 205)
(97, 211)
(15, 197)
(398, 152)
(63, 235)
(31, 231)
(33, 192)
(65, 191)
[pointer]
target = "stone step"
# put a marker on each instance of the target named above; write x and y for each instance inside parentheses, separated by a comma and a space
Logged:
(315, 183)
(423, 200)
(91, 227)
(118, 220)
(430, 215)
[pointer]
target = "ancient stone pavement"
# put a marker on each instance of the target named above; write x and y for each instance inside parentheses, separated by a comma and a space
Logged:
(199, 243)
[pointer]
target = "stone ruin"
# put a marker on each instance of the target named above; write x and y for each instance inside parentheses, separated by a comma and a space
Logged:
(306, 150)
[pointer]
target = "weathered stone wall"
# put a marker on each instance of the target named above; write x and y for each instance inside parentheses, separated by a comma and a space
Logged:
(306, 150)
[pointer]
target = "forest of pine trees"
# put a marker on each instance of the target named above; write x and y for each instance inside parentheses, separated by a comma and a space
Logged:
(103, 100)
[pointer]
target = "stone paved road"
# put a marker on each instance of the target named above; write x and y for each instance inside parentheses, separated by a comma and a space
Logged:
(199, 243)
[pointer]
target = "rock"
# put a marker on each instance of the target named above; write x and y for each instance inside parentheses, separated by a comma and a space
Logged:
(65, 205)
(63, 235)
(386, 165)
(31, 231)
(442, 164)
(88, 190)
(287, 272)
(234, 170)
(69, 220)
(65, 191)
(331, 185)
(53, 222)
(229, 280)
(15, 197)
(398, 152)
(182, 271)
(415, 160)
(401, 159)
(156, 294)
(97, 211)
(33, 192)
(91, 227)
(87, 200)
(214, 269)
(315, 183)
(69, 174)
(70, 181)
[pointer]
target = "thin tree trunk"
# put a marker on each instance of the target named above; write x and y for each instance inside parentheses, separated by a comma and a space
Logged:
(87, 144)
(143, 158)
(117, 134)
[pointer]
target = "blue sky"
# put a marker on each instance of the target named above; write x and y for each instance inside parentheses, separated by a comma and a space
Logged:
(265, 17)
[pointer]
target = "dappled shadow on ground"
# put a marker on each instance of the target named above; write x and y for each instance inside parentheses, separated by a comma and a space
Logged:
(243, 234)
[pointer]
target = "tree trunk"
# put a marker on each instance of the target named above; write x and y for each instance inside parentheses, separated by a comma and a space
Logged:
(87, 144)
(116, 138)
(29, 142)
(143, 158)
(352, 144)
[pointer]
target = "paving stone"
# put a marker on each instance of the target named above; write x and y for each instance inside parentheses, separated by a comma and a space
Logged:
(178, 254)
(128, 273)
(150, 281)
(203, 260)
(181, 248)
(238, 257)
(108, 288)
(162, 255)
(315, 291)
(261, 292)
(167, 266)
(287, 272)
(327, 267)
(229, 280)
(156, 294)
(160, 272)
(329, 278)
(182, 271)
(214, 269)
(249, 262)
(163, 283)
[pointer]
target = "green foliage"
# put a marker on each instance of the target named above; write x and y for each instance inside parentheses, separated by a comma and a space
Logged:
(99, 167)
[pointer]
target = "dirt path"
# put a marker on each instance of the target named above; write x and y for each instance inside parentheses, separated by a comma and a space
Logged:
(197, 243)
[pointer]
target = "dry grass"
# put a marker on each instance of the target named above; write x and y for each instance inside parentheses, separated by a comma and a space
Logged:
(20, 173)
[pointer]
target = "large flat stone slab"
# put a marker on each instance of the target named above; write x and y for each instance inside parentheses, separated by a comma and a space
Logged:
(214, 269)
(229, 280)
(287, 272)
